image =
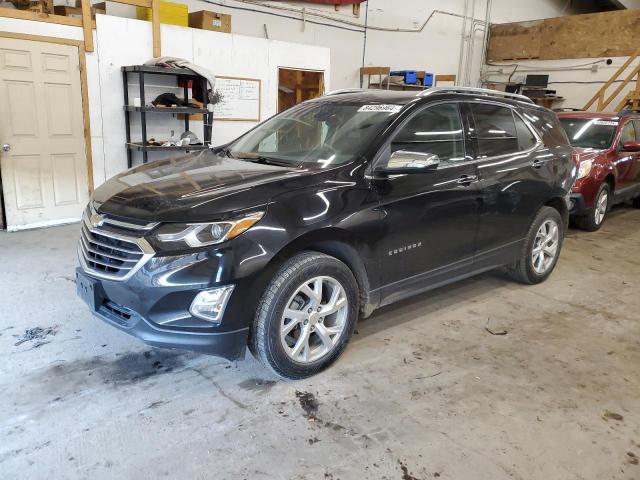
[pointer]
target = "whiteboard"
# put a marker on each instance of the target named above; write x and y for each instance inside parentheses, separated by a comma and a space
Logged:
(240, 99)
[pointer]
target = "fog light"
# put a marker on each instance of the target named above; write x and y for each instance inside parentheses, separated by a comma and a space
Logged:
(209, 305)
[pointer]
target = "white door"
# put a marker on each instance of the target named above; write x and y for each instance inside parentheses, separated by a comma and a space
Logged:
(43, 160)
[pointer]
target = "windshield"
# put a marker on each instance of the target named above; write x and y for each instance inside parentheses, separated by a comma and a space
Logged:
(590, 132)
(318, 134)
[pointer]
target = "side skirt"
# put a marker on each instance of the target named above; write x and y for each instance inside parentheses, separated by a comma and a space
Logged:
(482, 262)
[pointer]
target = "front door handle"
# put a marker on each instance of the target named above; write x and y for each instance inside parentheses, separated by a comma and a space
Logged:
(6, 147)
(537, 163)
(467, 180)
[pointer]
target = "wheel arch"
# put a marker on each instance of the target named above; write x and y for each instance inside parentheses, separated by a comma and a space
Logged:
(611, 180)
(560, 205)
(331, 241)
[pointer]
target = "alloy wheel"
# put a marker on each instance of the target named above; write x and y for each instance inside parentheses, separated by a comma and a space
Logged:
(545, 246)
(314, 319)
(601, 207)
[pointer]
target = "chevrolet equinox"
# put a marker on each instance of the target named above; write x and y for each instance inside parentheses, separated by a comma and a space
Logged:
(282, 238)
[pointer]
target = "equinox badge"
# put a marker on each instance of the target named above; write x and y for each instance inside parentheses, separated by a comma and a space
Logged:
(406, 248)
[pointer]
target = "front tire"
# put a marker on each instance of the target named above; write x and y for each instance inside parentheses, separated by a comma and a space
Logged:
(306, 316)
(541, 248)
(594, 219)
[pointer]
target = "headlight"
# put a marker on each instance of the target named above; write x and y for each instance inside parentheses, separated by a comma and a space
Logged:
(203, 234)
(585, 168)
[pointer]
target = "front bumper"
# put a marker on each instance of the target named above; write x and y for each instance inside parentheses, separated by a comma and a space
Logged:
(148, 295)
(153, 303)
(229, 344)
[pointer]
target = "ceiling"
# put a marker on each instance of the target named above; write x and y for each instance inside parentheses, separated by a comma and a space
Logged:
(591, 6)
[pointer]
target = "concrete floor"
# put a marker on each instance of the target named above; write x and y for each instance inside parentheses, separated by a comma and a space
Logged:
(423, 391)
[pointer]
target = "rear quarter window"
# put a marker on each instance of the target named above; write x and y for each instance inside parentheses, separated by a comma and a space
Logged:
(547, 126)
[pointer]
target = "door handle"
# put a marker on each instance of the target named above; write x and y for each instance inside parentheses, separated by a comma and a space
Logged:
(467, 180)
(6, 147)
(537, 163)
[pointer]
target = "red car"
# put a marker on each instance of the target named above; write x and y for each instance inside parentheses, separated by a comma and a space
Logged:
(607, 147)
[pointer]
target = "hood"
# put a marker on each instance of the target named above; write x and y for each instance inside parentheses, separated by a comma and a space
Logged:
(196, 187)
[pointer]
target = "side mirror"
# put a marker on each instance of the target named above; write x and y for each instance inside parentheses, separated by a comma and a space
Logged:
(631, 146)
(402, 161)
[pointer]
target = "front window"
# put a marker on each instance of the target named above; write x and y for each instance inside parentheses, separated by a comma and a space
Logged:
(320, 134)
(435, 130)
(595, 133)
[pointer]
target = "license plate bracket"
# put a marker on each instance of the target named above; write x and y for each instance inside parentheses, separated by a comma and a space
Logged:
(89, 290)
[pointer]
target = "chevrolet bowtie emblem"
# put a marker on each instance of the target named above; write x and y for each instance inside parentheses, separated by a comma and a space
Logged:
(96, 220)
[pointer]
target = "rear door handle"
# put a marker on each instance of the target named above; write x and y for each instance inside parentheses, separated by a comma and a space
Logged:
(467, 180)
(537, 163)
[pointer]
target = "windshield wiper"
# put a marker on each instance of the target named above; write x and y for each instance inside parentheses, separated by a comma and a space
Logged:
(267, 161)
(227, 152)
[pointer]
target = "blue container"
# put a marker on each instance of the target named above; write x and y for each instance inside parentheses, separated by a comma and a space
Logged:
(428, 80)
(410, 77)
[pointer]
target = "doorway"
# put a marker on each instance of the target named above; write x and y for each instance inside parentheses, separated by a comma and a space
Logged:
(43, 162)
(295, 86)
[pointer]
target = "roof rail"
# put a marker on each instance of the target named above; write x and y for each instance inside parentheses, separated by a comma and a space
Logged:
(474, 91)
(567, 109)
(345, 90)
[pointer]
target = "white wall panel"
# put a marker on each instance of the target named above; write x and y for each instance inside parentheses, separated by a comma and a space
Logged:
(128, 42)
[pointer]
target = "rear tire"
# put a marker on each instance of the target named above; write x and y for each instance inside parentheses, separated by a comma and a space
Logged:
(541, 248)
(594, 219)
(636, 202)
(306, 316)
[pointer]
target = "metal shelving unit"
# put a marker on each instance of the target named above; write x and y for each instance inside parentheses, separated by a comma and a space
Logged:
(180, 73)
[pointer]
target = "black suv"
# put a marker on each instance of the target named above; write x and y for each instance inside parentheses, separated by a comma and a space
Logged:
(282, 238)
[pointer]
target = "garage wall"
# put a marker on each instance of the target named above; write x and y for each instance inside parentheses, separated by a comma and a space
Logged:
(433, 46)
(326, 40)
(121, 41)
(573, 79)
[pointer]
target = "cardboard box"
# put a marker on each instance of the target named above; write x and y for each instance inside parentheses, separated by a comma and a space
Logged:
(41, 6)
(171, 13)
(76, 12)
(208, 20)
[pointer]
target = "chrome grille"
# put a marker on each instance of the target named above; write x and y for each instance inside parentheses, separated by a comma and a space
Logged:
(106, 254)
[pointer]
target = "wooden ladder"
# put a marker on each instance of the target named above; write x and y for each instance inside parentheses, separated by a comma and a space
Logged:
(631, 99)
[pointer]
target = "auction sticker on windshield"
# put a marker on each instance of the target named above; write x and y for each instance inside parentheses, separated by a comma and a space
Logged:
(605, 123)
(381, 108)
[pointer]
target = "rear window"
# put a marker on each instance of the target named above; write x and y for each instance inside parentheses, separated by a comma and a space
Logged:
(595, 133)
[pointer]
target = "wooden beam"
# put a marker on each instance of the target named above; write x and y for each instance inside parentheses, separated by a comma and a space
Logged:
(41, 38)
(87, 30)
(600, 92)
(375, 70)
(84, 86)
(636, 94)
(444, 78)
(155, 25)
(40, 17)
(605, 102)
